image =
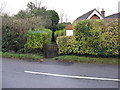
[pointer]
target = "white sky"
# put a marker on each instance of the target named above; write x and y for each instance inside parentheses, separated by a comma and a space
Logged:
(71, 8)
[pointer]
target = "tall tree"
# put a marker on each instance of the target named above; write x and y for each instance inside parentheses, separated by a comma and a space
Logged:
(53, 16)
(21, 14)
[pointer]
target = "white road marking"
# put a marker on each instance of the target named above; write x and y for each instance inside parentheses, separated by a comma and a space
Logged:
(79, 77)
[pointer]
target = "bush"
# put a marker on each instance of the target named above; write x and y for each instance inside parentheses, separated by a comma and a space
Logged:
(67, 45)
(11, 41)
(111, 41)
(38, 38)
(92, 37)
(87, 34)
(97, 37)
(14, 30)
(23, 25)
(61, 26)
(59, 33)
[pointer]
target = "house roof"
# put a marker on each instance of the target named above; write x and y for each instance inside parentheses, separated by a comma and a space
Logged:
(68, 27)
(86, 15)
(116, 15)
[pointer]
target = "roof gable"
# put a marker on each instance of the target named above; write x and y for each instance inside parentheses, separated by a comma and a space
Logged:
(85, 16)
(89, 14)
(97, 13)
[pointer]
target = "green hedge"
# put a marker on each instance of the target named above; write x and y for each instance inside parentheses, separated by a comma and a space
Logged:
(92, 37)
(67, 44)
(88, 33)
(59, 33)
(38, 38)
(11, 40)
(14, 31)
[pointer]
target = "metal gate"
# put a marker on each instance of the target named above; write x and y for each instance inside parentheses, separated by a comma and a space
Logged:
(50, 51)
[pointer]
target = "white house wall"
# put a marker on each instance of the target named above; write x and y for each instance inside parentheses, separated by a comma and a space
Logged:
(69, 32)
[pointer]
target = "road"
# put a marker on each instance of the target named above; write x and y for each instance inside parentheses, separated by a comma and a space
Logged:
(54, 74)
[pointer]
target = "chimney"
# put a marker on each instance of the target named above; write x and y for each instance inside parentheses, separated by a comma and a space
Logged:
(103, 12)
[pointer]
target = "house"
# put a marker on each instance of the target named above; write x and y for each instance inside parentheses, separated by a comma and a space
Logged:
(113, 16)
(95, 14)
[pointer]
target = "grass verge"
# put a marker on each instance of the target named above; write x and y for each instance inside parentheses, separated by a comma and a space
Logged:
(20, 56)
(83, 59)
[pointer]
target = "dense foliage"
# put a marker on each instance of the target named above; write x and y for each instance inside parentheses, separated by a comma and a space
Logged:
(14, 30)
(59, 33)
(11, 40)
(93, 37)
(67, 44)
(53, 17)
(62, 26)
(31, 11)
(38, 38)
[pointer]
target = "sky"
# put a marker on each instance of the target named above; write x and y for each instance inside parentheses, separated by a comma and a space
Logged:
(71, 9)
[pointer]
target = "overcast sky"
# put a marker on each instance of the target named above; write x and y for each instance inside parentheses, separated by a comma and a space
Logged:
(72, 9)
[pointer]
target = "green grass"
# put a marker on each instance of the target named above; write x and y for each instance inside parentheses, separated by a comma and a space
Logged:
(20, 56)
(83, 59)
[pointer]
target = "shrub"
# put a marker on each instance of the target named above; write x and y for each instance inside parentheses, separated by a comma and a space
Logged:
(23, 25)
(59, 33)
(61, 26)
(110, 33)
(14, 30)
(67, 45)
(11, 41)
(38, 38)
(97, 37)
(92, 37)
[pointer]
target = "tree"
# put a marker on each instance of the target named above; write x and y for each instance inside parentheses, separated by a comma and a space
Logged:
(21, 14)
(31, 6)
(32, 10)
(53, 16)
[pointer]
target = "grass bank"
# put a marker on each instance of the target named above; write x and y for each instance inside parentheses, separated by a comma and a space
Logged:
(83, 59)
(20, 56)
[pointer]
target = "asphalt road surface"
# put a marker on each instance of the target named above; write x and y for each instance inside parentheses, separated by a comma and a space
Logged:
(54, 74)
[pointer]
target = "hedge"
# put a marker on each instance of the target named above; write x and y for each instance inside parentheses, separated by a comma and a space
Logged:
(98, 37)
(59, 33)
(67, 45)
(88, 34)
(14, 31)
(38, 38)
(92, 37)
(11, 40)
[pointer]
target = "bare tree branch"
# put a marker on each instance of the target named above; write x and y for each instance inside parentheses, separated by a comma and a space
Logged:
(66, 18)
(61, 16)
(2, 8)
